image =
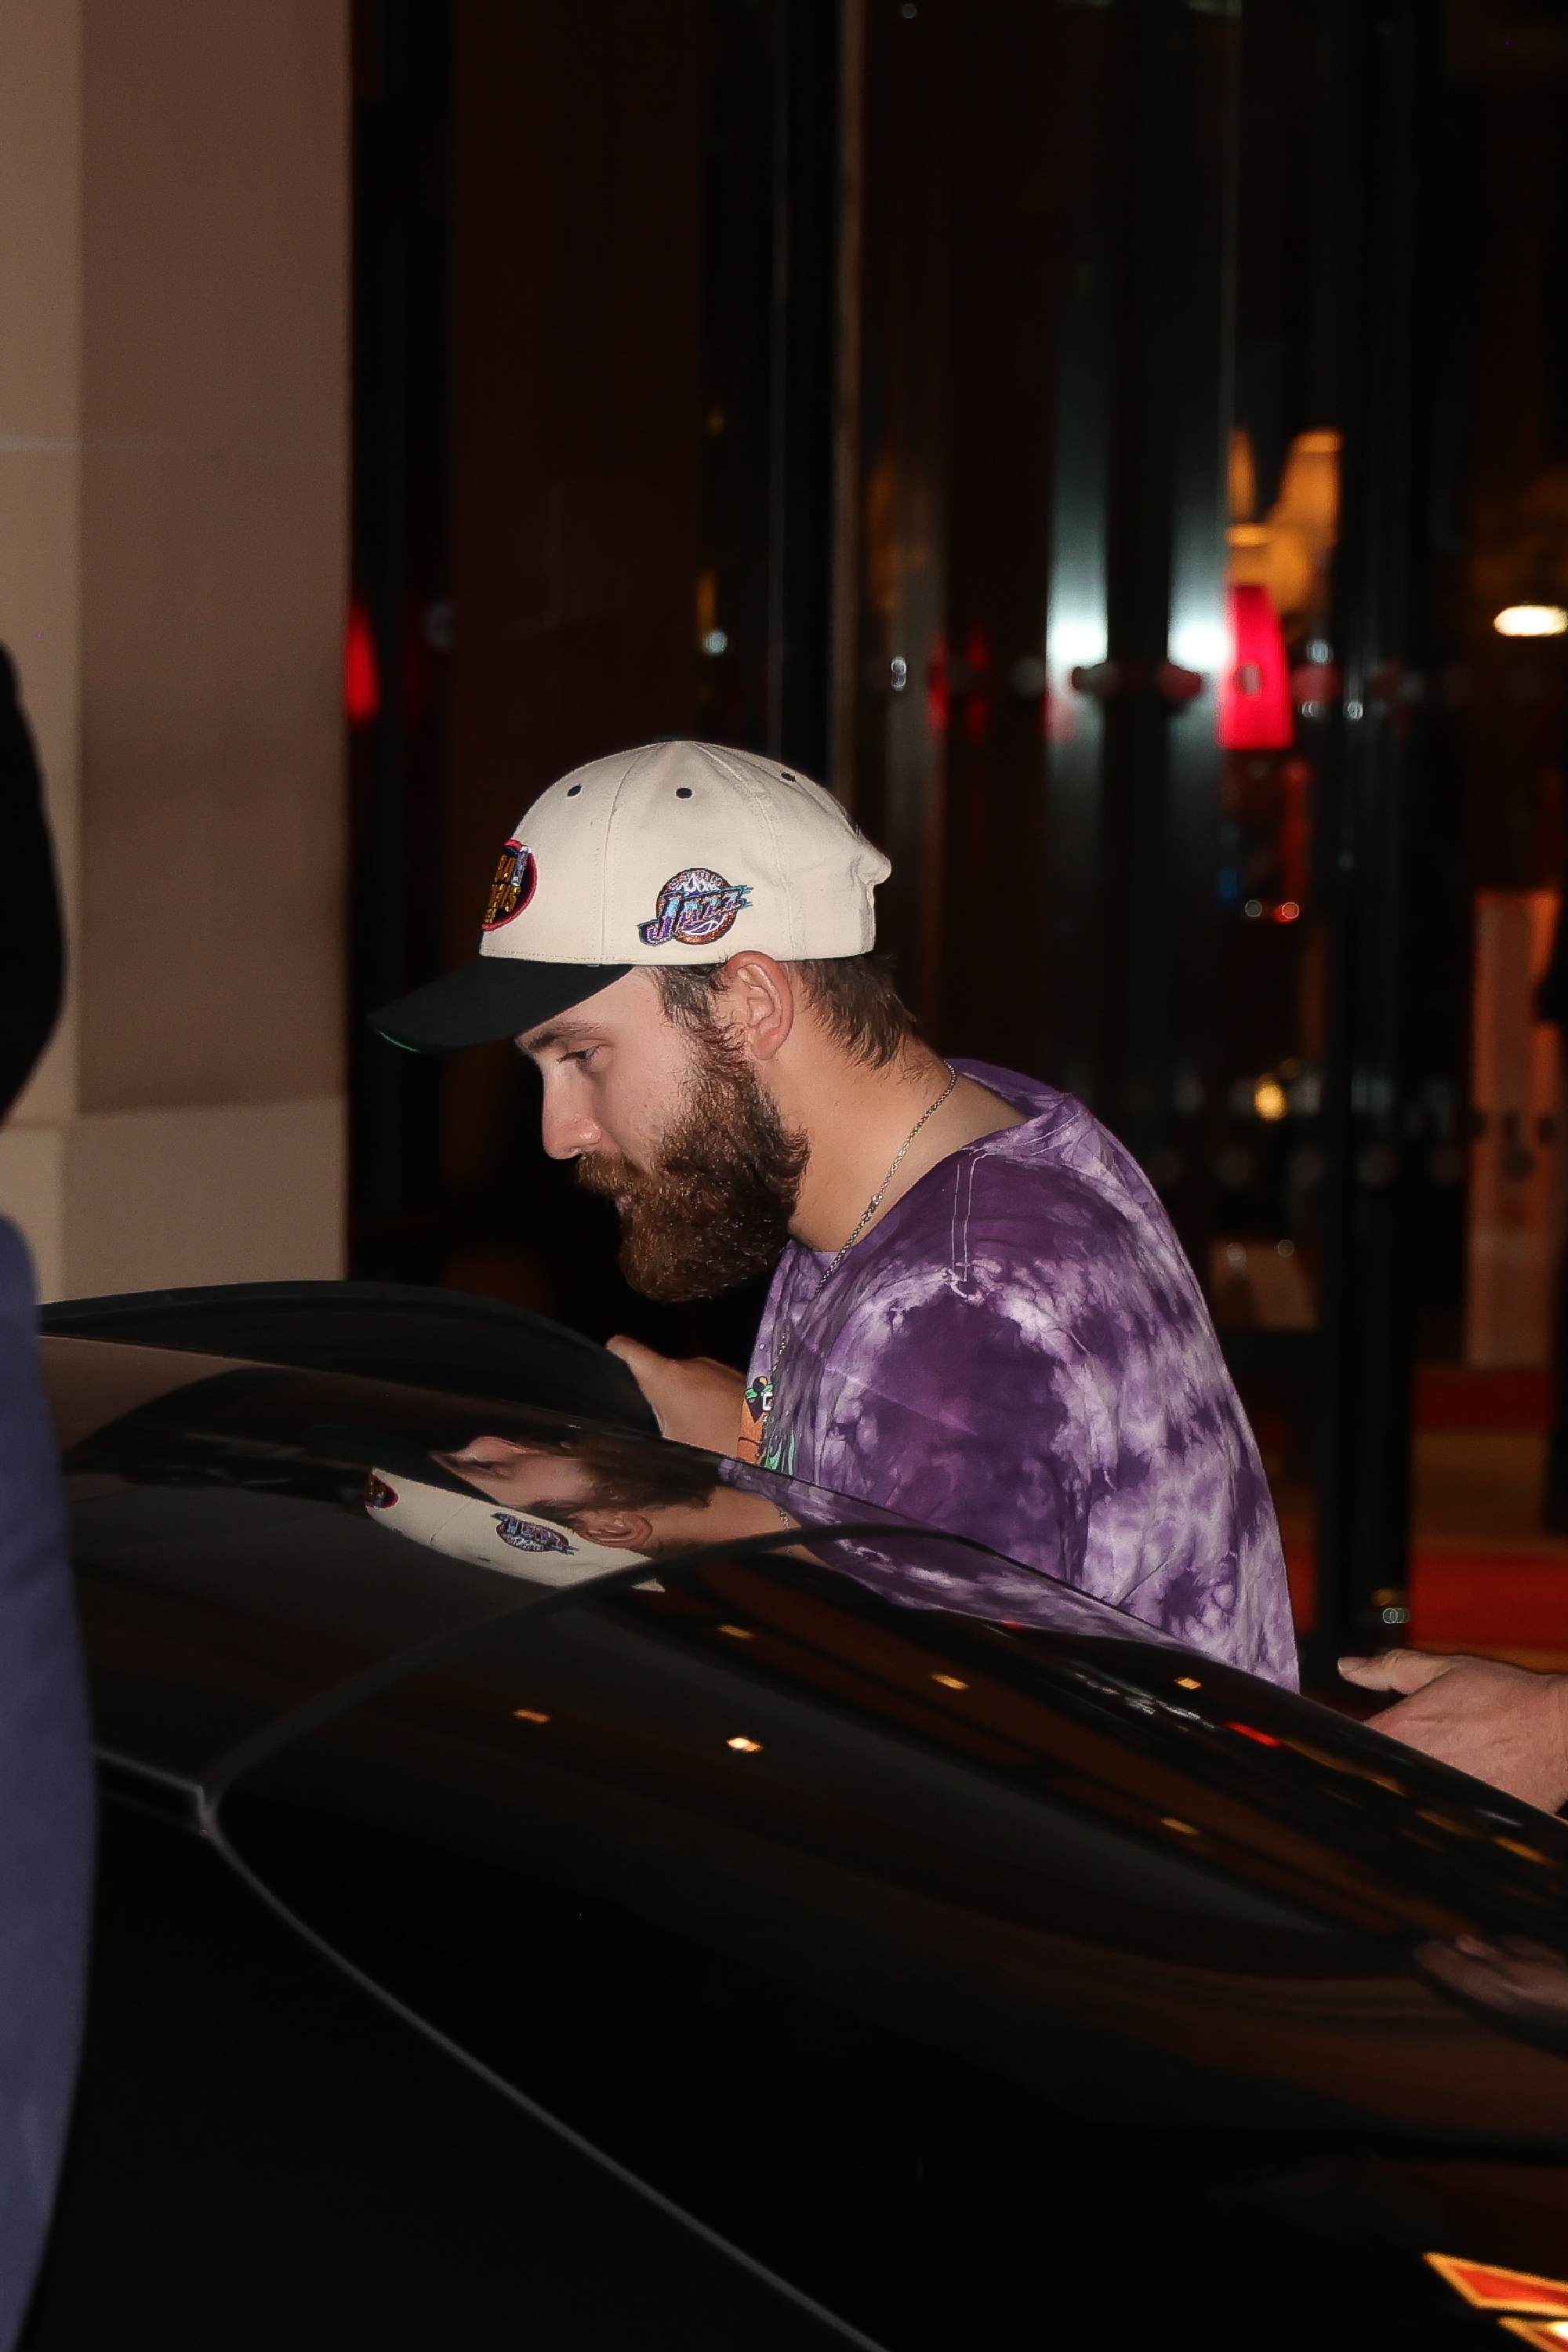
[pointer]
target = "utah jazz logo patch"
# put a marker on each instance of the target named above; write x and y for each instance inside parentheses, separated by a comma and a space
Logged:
(694, 906)
(513, 886)
(527, 1535)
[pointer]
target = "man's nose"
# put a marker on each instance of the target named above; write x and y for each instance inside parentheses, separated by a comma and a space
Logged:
(568, 1132)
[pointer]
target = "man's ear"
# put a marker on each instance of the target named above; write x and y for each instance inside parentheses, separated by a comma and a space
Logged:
(616, 1530)
(480, 1450)
(759, 1004)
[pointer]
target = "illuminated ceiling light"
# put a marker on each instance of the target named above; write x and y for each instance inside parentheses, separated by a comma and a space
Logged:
(1186, 1682)
(1531, 620)
(528, 1715)
(738, 1633)
(1185, 1828)
(950, 1682)
(744, 1747)
(1269, 1099)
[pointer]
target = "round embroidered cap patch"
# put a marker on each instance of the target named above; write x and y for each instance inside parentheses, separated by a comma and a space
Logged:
(516, 877)
(529, 1535)
(694, 906)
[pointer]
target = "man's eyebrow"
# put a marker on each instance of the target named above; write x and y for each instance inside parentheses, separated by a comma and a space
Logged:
(558, 1032)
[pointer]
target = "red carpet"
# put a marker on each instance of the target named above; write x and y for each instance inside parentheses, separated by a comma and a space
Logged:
(1463, 1600)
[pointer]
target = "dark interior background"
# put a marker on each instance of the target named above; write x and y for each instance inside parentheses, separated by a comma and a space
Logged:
(857, 380)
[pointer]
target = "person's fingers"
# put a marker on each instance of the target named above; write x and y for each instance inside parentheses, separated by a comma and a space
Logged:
(652, 1372)
(1395, 1670)
(696, 1400)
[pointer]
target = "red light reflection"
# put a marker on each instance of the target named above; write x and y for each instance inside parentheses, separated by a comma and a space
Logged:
(361, 672)
(1255, 712)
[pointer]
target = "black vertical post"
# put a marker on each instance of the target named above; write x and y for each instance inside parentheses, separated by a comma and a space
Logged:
(1084, 105)
(397, 754)
(1364, 1477)
(806, 316)
(1169, 349)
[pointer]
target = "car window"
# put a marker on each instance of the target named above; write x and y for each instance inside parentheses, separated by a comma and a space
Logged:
(419, 1337)
(227, 1571)
(754, 1853)
(230, 1526)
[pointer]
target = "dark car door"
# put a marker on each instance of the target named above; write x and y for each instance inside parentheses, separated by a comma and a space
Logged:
(963, 1973)
(264, 2154)
(957, 1973)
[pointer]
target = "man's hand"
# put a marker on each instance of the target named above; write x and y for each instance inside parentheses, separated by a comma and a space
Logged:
(695, 1399)
(1502, 1724)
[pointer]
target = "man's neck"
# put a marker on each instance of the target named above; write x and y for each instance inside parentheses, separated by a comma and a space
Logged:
(857, 1119)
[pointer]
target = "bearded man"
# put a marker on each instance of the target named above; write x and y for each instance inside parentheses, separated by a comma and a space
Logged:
(980, 1316)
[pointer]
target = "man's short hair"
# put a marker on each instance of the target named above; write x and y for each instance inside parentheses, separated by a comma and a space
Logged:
(854, 997)
(626, 1474)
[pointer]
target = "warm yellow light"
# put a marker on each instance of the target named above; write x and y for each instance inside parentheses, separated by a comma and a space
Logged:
(1490, 2288)
(738, 1633)
(1171, 1823)
(530, 1715)
(1186, 1682)
(1243, 472)
(1308, 499)
(950, 1682)
(1525, 1853)
(1269, 1099)
(1530, 621)
(1274, 556)
(744, 1747)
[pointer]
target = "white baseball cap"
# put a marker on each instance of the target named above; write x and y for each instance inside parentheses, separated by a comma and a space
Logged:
(653, 856)
(466, 1526)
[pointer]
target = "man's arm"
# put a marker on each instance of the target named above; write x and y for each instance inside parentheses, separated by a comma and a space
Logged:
(695, 1399)
(1501, 1724)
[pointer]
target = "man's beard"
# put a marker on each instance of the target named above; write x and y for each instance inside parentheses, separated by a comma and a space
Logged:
(714, 1205)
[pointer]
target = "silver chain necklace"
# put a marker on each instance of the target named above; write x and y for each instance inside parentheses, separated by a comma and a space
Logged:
(874, 1202)
(760, 1392)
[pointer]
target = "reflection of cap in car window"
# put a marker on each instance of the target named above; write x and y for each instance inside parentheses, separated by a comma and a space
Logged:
(466, 1526)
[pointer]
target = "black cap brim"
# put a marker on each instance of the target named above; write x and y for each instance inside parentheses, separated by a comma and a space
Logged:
(493, 997)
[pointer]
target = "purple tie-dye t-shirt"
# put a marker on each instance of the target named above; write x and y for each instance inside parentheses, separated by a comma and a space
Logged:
(1019, 1353)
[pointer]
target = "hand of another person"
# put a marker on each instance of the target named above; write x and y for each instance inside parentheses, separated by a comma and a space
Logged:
(1501, 1724)
(695, 1399)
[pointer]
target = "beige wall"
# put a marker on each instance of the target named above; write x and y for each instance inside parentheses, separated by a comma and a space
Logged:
(173, 368)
